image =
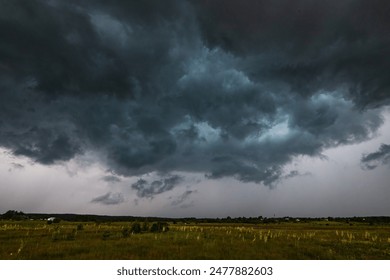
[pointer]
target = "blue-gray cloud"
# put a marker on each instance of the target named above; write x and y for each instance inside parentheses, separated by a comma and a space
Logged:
(109, 199)
(190, 86)
(184, 197)
(15, 166)
(150, 189)
(380, 157)
(111, 179)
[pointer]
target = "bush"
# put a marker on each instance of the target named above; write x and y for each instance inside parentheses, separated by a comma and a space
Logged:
(53, 221)
(145, 226)
(135, 228)
(159, 227)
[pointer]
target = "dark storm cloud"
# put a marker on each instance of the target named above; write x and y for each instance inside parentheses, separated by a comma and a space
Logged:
(309, 45)
(109, 199)
(224, 88)
(372, 160)
(45, 147)
(150, 189)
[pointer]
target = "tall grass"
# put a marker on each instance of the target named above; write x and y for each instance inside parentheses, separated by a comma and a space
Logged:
(67, 240)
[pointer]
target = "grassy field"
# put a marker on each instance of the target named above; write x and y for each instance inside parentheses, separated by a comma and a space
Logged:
(304, 240)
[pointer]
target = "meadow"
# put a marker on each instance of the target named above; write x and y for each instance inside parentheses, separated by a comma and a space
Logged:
(320, 240)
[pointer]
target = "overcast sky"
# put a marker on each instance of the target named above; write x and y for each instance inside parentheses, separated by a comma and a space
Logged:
(195, 108)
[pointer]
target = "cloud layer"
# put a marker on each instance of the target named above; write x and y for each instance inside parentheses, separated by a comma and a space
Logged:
(223, 88)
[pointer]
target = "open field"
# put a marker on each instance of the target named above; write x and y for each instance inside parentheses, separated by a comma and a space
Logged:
(309, 240)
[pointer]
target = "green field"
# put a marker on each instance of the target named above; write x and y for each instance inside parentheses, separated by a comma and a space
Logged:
(90, 240)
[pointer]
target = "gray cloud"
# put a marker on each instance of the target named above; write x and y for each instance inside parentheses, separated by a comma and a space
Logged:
(181, 199)
(150, 189)
(111, 179)
(372, 160)
(15, 166)
(109, 199)
(295, 173)
(237, 91)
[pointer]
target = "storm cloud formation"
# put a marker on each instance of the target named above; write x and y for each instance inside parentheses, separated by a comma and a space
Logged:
(111, 179)
(372, 160)
(149, 190)
(179, 201)
(109, 199)
(224, 88)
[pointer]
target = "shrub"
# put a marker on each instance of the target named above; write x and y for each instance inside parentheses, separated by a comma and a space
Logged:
(135, 228)
(53, 221)
(159, 227)
(145, 226)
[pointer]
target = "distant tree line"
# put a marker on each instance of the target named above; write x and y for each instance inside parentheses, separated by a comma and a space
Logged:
(14, 215)
(18, 215)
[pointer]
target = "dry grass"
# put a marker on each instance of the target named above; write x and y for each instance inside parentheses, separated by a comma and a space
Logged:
(66, 240)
